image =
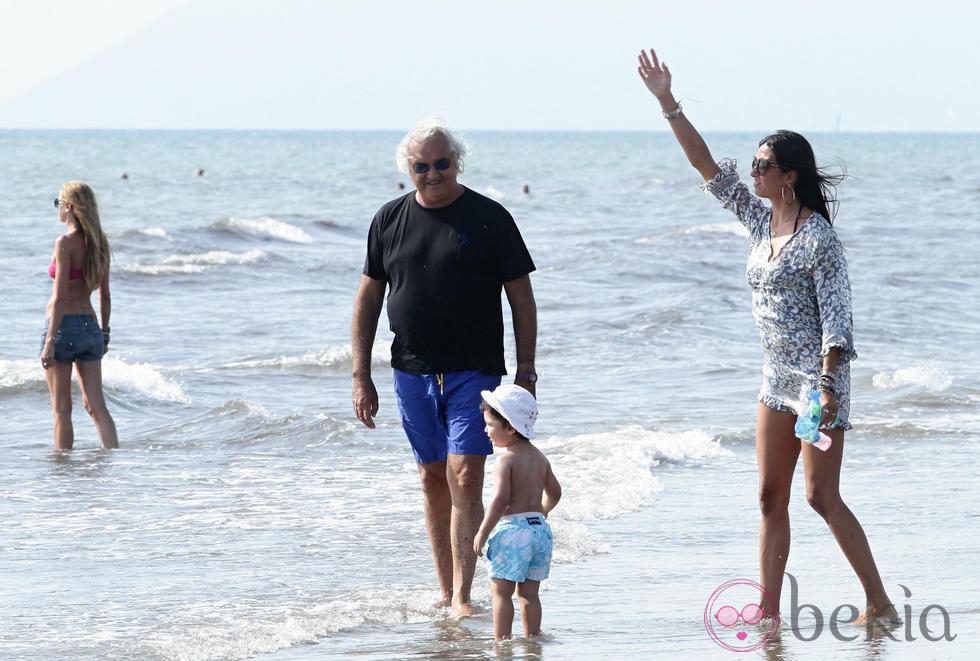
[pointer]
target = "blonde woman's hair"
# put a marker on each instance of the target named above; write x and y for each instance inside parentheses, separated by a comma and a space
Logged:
(86, 211)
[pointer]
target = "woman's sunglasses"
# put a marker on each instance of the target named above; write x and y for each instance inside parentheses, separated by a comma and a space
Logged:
(763, 164)
(57, 202)
(440, 165)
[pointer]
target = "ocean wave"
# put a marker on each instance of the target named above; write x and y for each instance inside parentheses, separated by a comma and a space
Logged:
(718, 228)
(266, 228)
(222, 630)
(141, 379)
(490, 191)
(20, 375)
(329, 359)
(154, 232)
(608, 474)
(197, 263)
(331, 225)
(710, 228)
(117, 376)
(242, 423)
(929, 377)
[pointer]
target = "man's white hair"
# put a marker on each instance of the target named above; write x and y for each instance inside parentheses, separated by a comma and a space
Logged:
(430, 127)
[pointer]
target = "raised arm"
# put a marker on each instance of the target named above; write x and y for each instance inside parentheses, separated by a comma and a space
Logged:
(364, 327)
(656, 76)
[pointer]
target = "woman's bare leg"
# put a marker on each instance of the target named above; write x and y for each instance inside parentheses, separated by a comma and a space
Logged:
(90, 378)
(822, 473)
(58, 376)
(776, 449)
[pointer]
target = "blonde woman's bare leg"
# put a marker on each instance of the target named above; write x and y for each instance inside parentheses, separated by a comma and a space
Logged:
(776, 449)
(822, 473)
(58, 376)
(90, 377)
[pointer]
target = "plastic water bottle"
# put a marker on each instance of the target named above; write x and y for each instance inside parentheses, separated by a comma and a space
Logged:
(808, 423)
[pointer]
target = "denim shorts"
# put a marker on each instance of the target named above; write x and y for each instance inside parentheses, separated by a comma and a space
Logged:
(441, 413)
(78, 338)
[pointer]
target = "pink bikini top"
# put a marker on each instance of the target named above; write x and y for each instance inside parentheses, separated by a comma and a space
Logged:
(73, 274)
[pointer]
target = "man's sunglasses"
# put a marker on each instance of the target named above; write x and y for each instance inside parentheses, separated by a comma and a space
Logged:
(763, 164)
(440, 165)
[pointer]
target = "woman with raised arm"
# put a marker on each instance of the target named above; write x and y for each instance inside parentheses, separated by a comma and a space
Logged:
(801, 301)
(72, 335)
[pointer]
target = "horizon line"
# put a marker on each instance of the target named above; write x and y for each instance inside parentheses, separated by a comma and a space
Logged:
(148, 129)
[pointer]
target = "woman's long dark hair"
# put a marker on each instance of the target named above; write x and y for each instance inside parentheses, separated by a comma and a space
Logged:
(815, 187)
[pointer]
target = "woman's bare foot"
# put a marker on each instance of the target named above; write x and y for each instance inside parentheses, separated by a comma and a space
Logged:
(885, 616)
(445, 602)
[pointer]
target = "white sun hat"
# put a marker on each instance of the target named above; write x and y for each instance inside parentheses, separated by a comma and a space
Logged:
(516, 404)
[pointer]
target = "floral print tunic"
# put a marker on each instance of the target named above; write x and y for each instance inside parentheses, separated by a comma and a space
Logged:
(801, 299)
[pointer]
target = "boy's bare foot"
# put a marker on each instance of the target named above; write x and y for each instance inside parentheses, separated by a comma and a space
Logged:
(886, 617)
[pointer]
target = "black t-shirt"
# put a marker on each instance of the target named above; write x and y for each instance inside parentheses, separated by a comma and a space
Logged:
(445, 268)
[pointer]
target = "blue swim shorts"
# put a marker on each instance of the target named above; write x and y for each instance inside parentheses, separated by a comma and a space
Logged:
(519, 548)
(441, 413)
(78, 338)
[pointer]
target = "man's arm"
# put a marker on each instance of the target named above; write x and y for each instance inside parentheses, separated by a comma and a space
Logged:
(525, 315)
(364, 327)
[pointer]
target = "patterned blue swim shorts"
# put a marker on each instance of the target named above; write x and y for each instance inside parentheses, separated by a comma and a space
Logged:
(519, 548)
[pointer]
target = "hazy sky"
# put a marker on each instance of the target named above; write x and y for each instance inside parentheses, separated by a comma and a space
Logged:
(547, 64)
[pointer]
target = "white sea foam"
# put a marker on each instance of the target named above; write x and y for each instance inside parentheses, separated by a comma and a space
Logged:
(929, 377)
(337, 357)
(245, 406)
(155, 232)
(610, 473)
(735, 228)
(222, 630)
(117, 375)
(140, 378)
(19, 374)
(494, 193)
(269, 228)
(195, 263)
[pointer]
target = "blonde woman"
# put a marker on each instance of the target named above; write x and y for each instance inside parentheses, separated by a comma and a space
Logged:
(72, 335)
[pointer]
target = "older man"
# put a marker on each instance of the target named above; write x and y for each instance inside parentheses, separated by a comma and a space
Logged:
(444, 252)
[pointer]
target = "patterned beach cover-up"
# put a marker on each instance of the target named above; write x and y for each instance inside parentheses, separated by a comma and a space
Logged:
(801, 300)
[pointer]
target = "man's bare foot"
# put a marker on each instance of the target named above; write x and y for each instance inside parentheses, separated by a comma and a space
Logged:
(886, 617)
(463, 609)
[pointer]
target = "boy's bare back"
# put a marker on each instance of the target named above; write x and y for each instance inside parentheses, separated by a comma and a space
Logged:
(532, 482)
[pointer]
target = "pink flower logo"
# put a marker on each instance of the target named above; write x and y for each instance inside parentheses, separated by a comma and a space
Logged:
(733, 614)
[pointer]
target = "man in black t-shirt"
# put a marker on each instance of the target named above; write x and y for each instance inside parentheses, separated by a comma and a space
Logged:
(444, 252)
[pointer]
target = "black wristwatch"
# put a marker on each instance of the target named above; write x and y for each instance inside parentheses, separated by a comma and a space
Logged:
(530, 377)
